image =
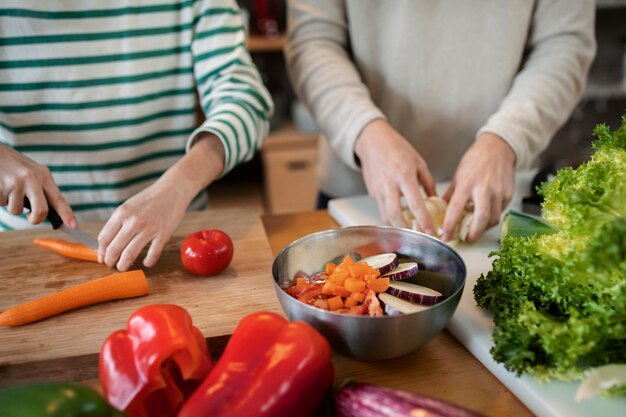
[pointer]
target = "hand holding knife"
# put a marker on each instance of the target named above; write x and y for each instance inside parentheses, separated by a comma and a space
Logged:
(54, 219)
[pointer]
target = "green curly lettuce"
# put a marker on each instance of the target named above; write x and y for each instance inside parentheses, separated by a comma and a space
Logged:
(559, 300)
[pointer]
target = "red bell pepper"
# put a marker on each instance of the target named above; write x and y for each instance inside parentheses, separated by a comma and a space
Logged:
(270, 367)
(150, 369)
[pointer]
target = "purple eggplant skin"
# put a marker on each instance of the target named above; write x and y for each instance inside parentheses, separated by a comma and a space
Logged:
(367, 400)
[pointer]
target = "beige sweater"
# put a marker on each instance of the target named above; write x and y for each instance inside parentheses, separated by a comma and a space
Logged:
(440, 72)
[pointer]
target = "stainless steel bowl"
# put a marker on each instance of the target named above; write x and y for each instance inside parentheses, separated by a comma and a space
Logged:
(364, 337)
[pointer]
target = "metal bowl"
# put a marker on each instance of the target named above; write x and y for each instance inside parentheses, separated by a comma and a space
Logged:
(364, 337)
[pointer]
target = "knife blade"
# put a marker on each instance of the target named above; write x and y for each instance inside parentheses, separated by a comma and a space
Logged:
(57, 224)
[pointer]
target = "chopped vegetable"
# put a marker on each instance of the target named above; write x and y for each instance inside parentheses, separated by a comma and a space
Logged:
(379, 284)
(373, 305)
(111, 287)
(403, 271)
(390, 311)
(343, 289)
(559, 299)
(69, 249)
(414, 293)
(400, 305)
(384, 262)
(367, 400)
(351, 287)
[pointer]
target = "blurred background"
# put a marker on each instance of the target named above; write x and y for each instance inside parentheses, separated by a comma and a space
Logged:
(281, 178)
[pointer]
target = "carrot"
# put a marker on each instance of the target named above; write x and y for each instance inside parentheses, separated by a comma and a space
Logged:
(354, 284)
(330, 267)
(378, 284)
(335, 303)
(111, 287)
(69, 249)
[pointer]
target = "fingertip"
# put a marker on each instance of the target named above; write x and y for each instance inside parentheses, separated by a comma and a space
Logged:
(429, 231)
(122, 266)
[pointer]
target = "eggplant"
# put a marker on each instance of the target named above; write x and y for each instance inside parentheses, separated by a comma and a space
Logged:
(390, 311)
(384, 262)
(402, 271)
(393, 305)
(414, 293)
(367, 400)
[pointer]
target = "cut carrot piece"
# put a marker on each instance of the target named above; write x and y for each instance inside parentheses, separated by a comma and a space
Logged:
(329, 288)
(354, 284)
(375, 274)
(359, 269)
(111, 287)
(69, 249)
(330, 267)
(379, 284)
(335, 303)
(300, 281)
(341, 291)
(359, 296)
(339, 274)
(350, 302)
(347, 260)
(321, 303)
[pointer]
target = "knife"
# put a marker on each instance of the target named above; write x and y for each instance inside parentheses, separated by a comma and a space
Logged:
(54, 219)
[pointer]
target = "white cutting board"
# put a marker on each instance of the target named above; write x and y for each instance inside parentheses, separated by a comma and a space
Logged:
(472, 326)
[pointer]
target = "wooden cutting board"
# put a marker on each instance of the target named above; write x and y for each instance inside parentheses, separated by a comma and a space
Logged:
(66, 346)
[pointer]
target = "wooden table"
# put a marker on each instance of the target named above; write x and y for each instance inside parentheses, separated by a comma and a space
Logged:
(443, 368)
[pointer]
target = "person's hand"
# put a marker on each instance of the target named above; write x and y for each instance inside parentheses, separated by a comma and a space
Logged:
(22, 177)
(485, 177)
(151, 216)
(392, 168)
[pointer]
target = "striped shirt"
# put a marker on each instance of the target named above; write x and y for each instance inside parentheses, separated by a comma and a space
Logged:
(104, 93)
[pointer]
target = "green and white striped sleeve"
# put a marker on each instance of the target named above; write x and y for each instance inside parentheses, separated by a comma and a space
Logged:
(236, 104)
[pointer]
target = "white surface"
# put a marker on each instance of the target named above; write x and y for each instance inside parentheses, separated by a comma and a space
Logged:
(472, 326)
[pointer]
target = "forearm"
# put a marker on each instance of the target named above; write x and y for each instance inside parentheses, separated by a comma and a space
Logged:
(551, 81)
(235, 102)
(323, 74)
(199, 167)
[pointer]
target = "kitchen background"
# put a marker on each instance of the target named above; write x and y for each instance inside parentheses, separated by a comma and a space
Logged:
(281, 178)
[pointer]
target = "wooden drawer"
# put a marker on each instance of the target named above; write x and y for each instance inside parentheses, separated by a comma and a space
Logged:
(289, 168)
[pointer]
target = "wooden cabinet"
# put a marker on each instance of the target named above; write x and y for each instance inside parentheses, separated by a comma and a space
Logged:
(289, 165)
(289, 156)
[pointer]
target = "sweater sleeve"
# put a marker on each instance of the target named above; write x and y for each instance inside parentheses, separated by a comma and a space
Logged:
(561, 46)
(324, 76)
(236, 105)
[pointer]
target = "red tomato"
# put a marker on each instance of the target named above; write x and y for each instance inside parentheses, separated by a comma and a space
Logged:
(207, 252)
